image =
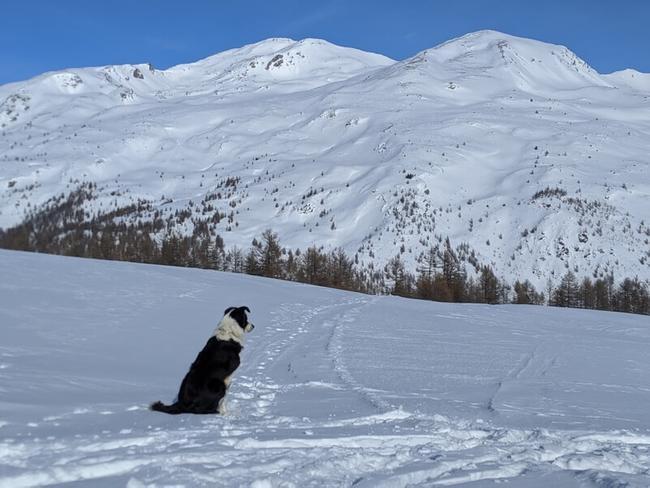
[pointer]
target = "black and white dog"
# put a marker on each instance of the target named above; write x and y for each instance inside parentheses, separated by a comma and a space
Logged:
(204, 387)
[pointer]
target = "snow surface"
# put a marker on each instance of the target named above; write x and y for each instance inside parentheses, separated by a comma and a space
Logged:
(335, 388)
(454, 141)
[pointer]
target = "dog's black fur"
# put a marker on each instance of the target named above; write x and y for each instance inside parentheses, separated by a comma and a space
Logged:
(205, 385)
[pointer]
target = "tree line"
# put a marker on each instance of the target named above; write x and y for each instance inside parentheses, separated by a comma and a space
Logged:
(62, 226)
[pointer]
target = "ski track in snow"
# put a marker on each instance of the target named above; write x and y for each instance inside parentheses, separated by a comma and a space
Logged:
(300, 412)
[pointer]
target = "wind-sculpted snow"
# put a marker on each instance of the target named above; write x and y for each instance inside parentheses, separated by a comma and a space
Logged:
(337, 147)
(335, 388)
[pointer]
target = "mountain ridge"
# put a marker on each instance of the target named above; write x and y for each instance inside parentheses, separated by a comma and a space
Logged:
(354, 149)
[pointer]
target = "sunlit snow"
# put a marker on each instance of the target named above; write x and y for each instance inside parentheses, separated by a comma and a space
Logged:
(335, 388)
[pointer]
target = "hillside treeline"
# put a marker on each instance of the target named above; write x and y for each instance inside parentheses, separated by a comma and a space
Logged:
(62, 226)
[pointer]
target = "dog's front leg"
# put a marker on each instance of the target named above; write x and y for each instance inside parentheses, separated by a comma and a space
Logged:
(222, 403)
(221, 408)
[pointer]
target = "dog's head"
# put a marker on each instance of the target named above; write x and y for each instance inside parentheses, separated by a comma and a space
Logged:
(238, 314)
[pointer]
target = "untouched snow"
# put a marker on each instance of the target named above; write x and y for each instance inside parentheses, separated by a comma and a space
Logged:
(631, 78)
(335, 388)
(337, 147)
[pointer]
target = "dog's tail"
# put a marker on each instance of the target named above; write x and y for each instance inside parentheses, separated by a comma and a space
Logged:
(173, 409)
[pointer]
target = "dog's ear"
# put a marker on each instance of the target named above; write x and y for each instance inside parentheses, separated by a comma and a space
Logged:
(247, 309)
(228, 310)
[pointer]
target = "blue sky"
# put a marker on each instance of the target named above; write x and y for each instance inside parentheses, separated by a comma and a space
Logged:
(44, 35)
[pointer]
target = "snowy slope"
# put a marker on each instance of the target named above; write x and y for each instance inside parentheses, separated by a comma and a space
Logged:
(630, 78)
(335, 388)
(339, 147)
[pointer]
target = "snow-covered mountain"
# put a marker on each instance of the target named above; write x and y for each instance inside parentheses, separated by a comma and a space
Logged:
(334, 389)
(517, 147)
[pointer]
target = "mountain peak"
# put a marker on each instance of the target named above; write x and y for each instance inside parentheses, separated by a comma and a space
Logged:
(630, 78)
(277, 63)
(272, 47)
(516, 62)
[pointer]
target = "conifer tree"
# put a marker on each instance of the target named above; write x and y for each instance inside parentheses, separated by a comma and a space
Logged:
(402, 282)
(566, 294)
(339, 269)
(489, 285)
(269, 255)
(312, 267)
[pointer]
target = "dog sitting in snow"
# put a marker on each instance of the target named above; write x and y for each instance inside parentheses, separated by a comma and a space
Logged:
(204, 387)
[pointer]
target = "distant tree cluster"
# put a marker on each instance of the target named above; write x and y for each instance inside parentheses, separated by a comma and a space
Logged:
(442, 276)
(549, 192)
(630, 295)
(315, 266)
(62, 226)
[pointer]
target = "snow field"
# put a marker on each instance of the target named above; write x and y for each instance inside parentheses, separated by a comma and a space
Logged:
(335, 388)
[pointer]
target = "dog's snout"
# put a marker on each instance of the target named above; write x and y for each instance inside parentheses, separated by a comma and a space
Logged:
(249, 327)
